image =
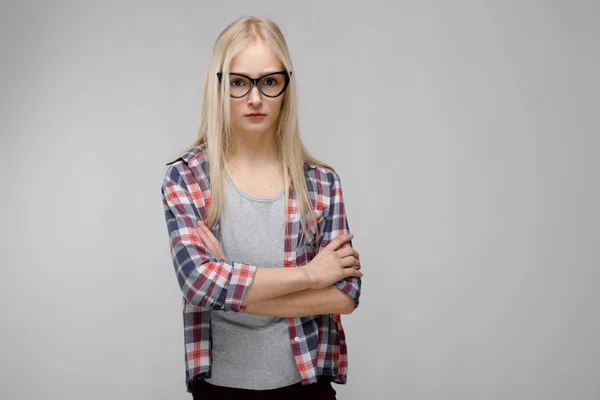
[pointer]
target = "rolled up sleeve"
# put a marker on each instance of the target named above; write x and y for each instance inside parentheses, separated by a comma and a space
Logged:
(336, 224)
(204, 281)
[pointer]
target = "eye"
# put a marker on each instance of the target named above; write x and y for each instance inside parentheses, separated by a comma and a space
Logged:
(270, 81)
(237, 82)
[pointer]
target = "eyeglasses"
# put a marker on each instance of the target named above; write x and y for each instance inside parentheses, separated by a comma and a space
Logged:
(271, 85)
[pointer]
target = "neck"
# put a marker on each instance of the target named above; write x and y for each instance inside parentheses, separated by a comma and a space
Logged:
(253, 148)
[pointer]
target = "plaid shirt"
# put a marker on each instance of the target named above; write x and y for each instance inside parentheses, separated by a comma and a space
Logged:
(318, 342)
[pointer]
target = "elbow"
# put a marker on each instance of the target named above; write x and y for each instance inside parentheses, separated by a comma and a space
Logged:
(350, 289)
(212, 285)
(197, 289)
(207, 298)
(198, 293)
(348, 306)
(200, 299)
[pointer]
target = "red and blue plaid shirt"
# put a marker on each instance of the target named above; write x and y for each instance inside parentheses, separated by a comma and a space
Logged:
(318, 342)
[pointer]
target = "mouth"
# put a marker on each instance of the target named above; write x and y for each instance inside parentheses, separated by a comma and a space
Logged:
(255, 117)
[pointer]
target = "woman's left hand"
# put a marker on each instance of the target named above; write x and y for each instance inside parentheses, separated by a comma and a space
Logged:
(210, 241)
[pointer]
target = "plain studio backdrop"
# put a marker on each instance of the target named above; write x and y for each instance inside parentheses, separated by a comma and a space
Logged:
(466, 137)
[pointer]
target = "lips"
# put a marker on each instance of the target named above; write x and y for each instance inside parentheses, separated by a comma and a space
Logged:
(255, 115)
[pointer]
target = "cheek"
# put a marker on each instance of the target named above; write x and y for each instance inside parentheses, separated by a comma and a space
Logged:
(275, 107)
(235, 109)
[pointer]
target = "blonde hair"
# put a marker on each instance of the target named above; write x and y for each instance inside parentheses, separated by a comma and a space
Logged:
(214, 130)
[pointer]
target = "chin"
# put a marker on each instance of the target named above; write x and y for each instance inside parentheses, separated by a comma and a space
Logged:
(256, 128)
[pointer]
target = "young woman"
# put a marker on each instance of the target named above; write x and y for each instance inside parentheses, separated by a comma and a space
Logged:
(258, 234)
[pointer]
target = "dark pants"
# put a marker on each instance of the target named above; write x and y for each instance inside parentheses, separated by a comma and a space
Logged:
(322, 390)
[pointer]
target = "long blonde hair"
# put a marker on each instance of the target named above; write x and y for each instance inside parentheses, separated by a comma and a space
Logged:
(214, 130)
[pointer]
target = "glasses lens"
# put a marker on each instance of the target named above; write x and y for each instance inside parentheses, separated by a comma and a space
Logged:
(238, 85)
(272, 85)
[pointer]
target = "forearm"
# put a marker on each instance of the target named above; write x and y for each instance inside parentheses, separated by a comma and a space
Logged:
(304, 303)
(271, 283)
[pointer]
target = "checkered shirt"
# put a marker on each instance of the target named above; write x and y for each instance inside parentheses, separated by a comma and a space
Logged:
(318, 342)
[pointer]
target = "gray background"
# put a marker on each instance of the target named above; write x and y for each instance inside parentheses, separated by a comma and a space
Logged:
(465, 134)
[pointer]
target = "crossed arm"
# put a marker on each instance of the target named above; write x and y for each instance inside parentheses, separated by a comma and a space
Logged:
(238, 287)
(302, 303)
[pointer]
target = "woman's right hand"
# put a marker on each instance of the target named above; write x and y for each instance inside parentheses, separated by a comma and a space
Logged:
(333, 264)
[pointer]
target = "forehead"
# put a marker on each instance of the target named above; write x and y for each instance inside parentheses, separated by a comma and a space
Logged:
(255, 59)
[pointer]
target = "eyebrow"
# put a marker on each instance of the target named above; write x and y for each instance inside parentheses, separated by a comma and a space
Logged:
(265, 72)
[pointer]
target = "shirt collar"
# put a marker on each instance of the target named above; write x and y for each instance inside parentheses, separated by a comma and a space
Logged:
(190, 154)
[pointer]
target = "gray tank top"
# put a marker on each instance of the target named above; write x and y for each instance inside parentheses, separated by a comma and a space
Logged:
(252, 351)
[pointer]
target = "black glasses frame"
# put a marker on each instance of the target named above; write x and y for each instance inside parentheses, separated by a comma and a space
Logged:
(254, 82)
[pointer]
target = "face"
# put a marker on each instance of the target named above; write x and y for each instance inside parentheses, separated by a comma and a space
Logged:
(255, 61)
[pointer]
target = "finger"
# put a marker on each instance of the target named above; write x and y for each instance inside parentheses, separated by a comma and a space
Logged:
(207, 243)
(218, 250)
(203, 231)
(350, 261)
(208, 234)
(338, 241)
(347, 251)
(352, 273)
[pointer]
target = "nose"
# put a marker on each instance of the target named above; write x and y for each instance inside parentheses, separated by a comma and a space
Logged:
(254, 97)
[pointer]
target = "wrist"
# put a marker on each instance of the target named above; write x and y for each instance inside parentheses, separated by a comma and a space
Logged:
(307, 278)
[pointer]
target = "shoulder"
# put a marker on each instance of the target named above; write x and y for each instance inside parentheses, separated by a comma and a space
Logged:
(321, 178)
(194, 154)
(189, 166)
